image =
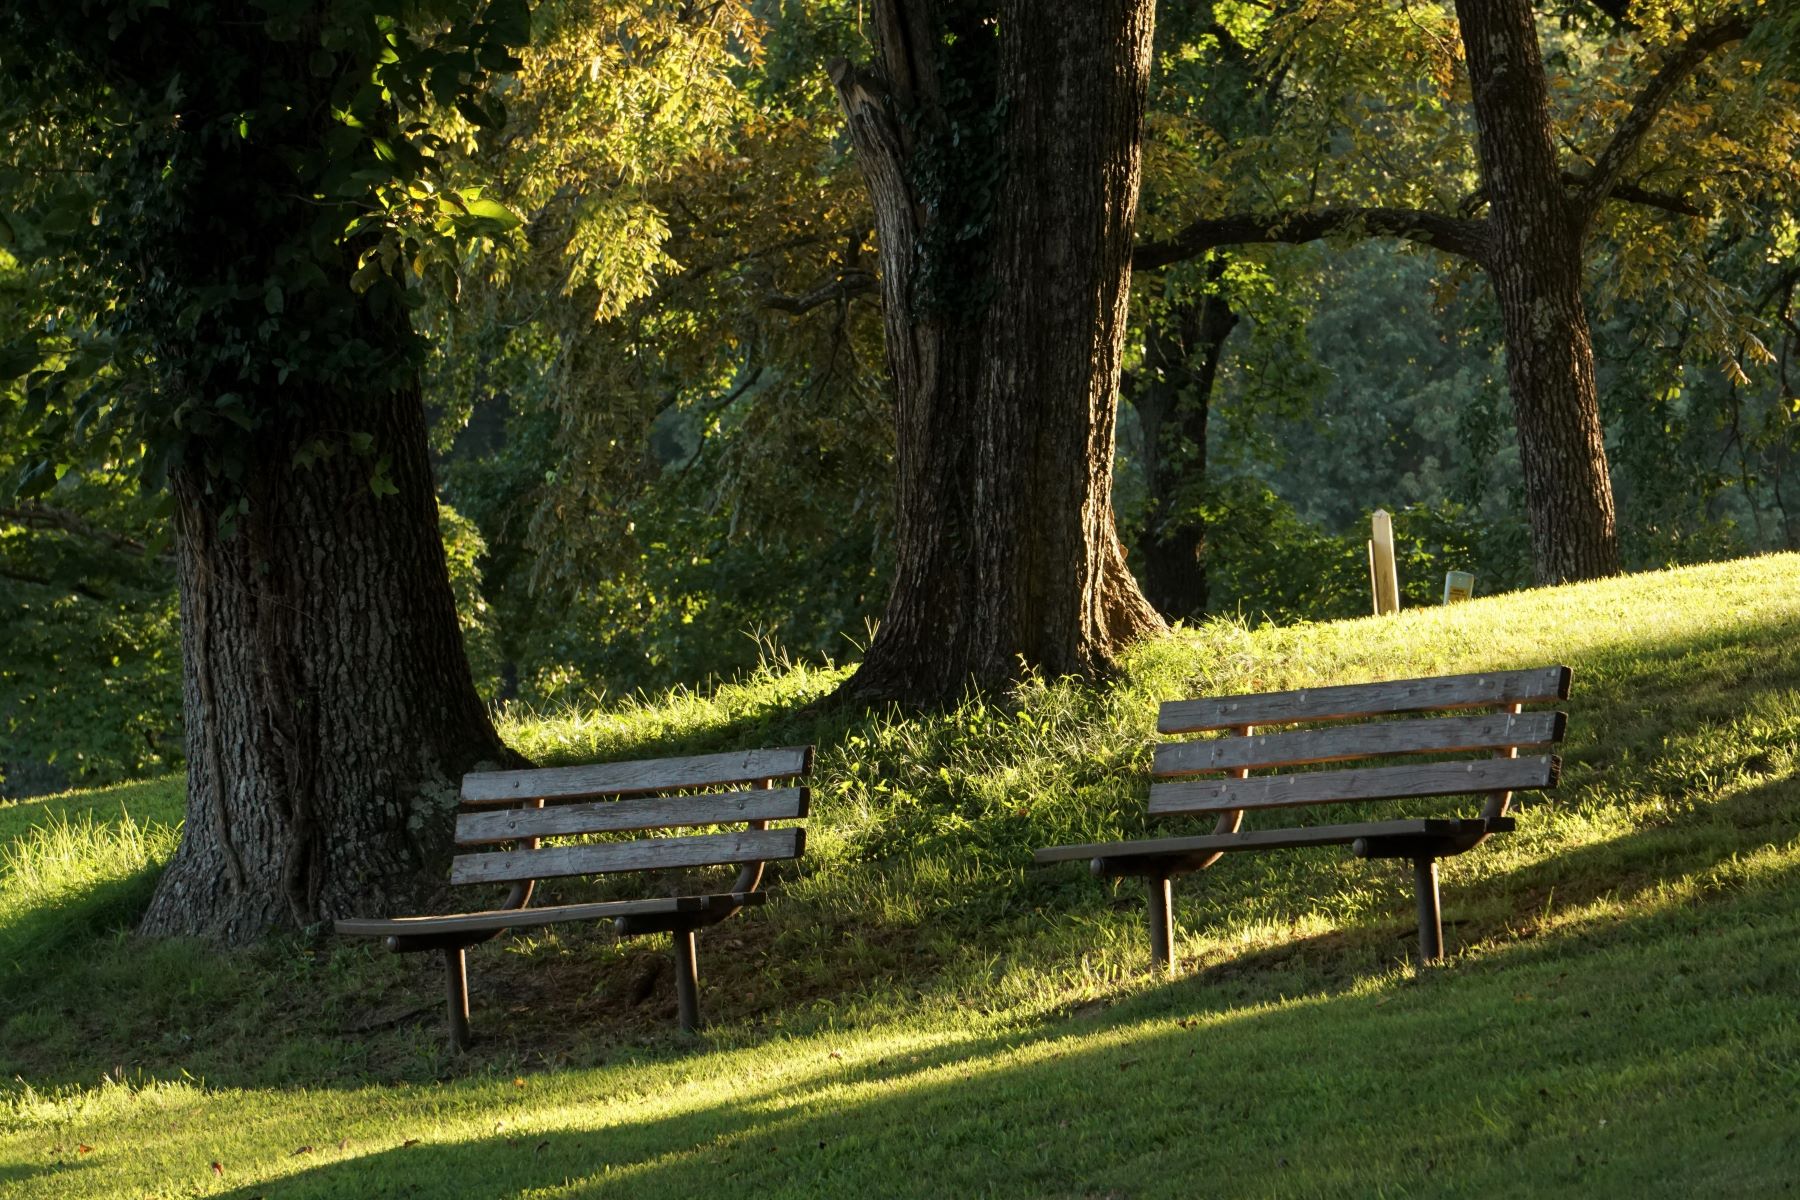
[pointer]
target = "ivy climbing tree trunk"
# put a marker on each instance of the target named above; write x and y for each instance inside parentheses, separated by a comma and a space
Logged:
(329, 709)
(1002, 158)
(258, 216)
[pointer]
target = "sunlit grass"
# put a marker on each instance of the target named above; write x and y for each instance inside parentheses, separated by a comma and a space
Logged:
(920, 1012)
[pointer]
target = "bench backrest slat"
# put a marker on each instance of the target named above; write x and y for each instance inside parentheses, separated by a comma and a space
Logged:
(647, 775)
(1368, 783)
(507, 866)
(623, 816)
(1445, 735)
(1366, 700)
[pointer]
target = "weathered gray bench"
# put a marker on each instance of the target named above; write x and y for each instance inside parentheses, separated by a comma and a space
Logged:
(1502, 734)
(505, 821)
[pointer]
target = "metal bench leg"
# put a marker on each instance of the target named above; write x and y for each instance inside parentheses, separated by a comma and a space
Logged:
(1431, 918)
(1162, 926)
(687, 980)
(456, 968)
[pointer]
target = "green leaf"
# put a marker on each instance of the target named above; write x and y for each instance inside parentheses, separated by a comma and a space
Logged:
(474, 113)
(17, 358)
(509, 22)
(379, 482)
(488, 214)
(366, 276)
(37, 479)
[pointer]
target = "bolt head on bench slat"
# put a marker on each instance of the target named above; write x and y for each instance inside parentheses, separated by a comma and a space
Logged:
(713, 849)
(1535, 686)
(1366, 783)
(646, 775)
(624, 816)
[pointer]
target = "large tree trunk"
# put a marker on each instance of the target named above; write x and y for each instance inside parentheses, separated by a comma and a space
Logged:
(329, 709)
(330, 712)
(1174, 405)
(1004, 178)
(1535, 262)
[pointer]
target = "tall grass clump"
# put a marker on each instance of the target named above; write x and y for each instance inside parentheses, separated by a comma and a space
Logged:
(72, 877)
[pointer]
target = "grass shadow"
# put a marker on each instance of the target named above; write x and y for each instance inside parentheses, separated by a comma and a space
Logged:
(1576, 1066)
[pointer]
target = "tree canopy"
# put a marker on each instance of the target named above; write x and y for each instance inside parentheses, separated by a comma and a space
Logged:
(710, 354)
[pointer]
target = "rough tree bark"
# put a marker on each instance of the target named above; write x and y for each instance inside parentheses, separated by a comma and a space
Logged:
(1004, 171)
(330, 712)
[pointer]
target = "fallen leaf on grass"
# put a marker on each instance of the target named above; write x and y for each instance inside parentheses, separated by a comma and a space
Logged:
(84, 1148)
(300, 1151)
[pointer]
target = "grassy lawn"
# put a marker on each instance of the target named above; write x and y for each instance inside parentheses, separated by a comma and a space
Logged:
(921, 1013)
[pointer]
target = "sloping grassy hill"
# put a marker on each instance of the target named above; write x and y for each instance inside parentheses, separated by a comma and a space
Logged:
(922, 1013)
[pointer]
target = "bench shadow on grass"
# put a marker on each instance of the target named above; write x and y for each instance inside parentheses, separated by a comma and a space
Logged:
(1063, 1110)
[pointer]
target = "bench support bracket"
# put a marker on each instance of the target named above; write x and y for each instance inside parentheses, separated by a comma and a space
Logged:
(456, 970)
(687, 980)
(1162, 924)
(1431, 918)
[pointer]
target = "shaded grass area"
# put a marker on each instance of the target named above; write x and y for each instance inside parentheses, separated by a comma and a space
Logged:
(921, 1013)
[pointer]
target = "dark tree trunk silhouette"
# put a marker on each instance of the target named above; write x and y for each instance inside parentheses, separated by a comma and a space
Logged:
(1003, 163)
(1173, 403)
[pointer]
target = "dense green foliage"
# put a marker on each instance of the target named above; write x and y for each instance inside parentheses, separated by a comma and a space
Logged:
(659, 397)
(157, 148)
(1627, 958)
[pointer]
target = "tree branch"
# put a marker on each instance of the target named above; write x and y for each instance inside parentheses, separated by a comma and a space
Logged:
(847, 284)
(1631, 193)
(43, 516)
(1462, 236)
(84, 590)
(1651, 99)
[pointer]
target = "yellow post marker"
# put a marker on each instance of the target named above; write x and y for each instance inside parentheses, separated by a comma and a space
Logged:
(1384, 579)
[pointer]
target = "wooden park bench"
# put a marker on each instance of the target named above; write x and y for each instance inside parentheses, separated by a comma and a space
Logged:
(1231, 759)
(506, 816)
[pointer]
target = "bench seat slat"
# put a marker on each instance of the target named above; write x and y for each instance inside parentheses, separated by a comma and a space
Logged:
(651, 854)
(1366, 700)
(1366, 783)
(593, 780)
(1152, 854)
(623, 816)
(1439, 735)
(518, 918)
